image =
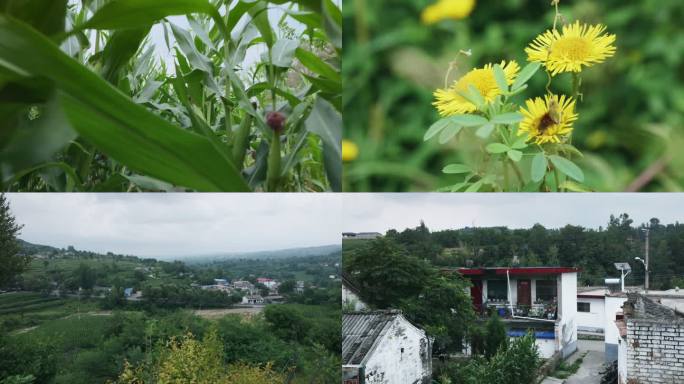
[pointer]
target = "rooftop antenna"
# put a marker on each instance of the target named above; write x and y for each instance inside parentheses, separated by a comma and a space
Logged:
(623, 267)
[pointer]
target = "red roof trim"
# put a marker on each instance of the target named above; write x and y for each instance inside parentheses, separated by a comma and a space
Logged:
(516, 271)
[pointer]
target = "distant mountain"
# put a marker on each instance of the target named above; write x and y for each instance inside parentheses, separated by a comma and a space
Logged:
(32, 249)
(323, 250)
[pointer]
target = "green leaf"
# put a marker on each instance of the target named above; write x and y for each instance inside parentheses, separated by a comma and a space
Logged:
(485, 130)
(259, 15)
(514, 155)
(326, 122)
(449, 132)
(497, 148)
(500, 78)
(538, 167)
(524, 75)
(475, 96)
(574, 187)
(316, 65)
(475, 186)
(468, 120)
(564, 147)
(436, 128)
(456, 168)
(125, 14)
(507, 118)
(120, 48)
(567, 167)
(282, 52)
(122, 129)
(46, 16)
(520, 142)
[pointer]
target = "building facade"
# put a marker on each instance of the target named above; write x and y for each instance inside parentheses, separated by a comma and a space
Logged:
(538, 299)
(651, 348)
(382, 347)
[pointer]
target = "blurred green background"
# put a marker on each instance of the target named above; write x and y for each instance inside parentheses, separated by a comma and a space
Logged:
(630, 125)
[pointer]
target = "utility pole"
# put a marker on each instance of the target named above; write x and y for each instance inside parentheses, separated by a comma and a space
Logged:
(647, 230)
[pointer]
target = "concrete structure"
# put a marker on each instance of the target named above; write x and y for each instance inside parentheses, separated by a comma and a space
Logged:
(382, 347)
(350, 295)
(253, 300)
(361, 235)
(541, 299)
(269, 283)
(591, 309)
(598, 308)
(651, 348)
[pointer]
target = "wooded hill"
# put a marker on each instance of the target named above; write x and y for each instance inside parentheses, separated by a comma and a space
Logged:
(592, 250)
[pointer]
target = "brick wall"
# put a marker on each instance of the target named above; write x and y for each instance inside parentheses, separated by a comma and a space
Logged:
(655, 351)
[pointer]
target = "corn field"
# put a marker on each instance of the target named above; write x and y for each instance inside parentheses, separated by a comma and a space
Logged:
(174, 95)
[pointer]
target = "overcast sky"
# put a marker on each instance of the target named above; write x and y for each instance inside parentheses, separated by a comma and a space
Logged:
(157, 225)
(380, 212)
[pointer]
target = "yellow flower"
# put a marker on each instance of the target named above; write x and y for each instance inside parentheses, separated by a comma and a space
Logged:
(350, 150)
(448, 102)
(578, 45)
(547, 120)
(447, 9)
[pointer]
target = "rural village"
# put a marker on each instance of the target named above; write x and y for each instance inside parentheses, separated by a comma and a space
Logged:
(609, 333)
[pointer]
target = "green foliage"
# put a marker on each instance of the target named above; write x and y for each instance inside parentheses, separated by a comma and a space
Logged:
(12, 261)
(88, 105)
(628, 122)
(593, 250)
(496, 337)
(391, 277)
(518, 363)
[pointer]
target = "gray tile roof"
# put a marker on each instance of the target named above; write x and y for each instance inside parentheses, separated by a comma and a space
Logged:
(360, 330)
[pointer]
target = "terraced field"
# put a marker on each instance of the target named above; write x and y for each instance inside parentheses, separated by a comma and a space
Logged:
(20, 310)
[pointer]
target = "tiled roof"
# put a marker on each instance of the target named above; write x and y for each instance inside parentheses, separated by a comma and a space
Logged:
(360, 330)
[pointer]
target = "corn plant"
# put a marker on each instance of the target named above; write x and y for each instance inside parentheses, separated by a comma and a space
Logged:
(250, 101)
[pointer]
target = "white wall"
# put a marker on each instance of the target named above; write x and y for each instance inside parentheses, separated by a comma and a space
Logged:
(349, 299)
(546, 347)
(595, 319)
(567, 311)
(611, 336)
(622, 360)
(388, 365)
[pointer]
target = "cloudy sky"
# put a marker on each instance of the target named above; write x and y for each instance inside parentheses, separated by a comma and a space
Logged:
(158, 225)
(380, 212)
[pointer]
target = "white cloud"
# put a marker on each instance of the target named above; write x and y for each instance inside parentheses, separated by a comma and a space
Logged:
(178, 224)
(380, 212)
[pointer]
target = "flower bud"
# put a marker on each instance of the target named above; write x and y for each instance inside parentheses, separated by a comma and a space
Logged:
(276, 121)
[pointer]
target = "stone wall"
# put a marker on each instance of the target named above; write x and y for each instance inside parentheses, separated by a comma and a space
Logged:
(655, 351)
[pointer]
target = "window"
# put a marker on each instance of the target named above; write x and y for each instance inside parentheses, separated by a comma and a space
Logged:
(497, 290)
(546, 290)
(583, 307)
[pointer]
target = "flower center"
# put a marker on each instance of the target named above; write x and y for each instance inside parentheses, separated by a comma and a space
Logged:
(573, 48)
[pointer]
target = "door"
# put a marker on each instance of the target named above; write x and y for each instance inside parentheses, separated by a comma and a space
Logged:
(524, 293)
(476, 295)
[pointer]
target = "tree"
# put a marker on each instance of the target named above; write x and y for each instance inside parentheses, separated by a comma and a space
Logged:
(12, 261)
(286, 322)
(287, 286)
(496, 337)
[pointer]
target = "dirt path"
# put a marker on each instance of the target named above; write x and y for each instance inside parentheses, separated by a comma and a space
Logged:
(218, 313)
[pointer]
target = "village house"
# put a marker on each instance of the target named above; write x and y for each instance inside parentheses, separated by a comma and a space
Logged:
(382, 347)
(299, 287)
(350, 295)
(220, 282)
(651, 345)
(541, 299)
(269, 283)
(253, 300)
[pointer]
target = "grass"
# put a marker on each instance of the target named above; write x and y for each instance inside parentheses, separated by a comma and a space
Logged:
(563, 370)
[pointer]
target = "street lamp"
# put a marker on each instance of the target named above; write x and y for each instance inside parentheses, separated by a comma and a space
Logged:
(645, 263)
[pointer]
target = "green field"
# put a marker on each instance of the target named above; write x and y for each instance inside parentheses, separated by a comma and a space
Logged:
(20, 310)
